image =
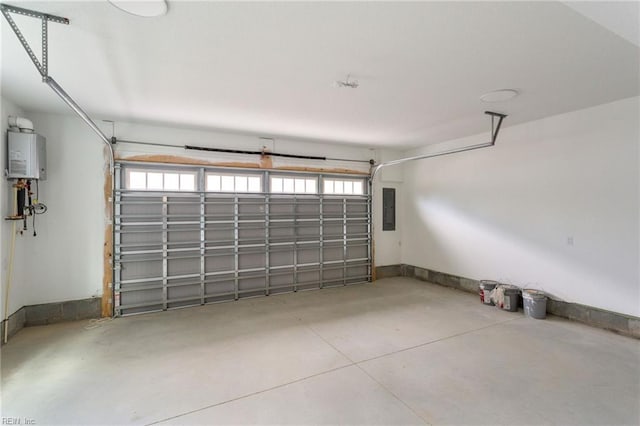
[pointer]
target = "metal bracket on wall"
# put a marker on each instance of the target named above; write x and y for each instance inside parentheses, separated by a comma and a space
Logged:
(43, 67)
(495, 129)
(7, 9)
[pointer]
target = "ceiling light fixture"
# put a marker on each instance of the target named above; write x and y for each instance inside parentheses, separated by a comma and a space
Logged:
(499, 95)
(352, 84)
(144, 8)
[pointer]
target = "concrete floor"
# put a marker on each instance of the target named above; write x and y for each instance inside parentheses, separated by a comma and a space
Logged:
(398, 351)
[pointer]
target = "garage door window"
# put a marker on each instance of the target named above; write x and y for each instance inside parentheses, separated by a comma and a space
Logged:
(148, 180)
(233, 183)
(343, 187)
(290, 185)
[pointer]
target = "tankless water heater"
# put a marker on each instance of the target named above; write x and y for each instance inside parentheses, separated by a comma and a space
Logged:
(27, 156)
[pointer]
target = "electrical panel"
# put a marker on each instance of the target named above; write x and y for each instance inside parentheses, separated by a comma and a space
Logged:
(388, 209)
(27, 156)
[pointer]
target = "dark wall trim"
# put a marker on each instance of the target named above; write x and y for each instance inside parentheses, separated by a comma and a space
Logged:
(388, 271)
(71, 310)
(51, 313)
(620, 323)
(15, 322)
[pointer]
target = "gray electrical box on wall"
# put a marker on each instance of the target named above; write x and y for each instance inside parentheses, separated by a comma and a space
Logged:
(26, 156)
(388, 209)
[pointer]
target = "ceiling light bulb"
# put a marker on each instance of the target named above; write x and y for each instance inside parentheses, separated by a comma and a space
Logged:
(144, 8)
(499, 95)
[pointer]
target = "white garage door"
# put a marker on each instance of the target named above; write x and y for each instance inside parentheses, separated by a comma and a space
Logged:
(193, 235)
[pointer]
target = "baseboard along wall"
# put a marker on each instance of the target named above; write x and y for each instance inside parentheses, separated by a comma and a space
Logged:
(51, 313)
(596, 317)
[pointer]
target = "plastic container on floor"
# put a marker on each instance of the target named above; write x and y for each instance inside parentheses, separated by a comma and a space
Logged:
(535, 304)
(486, 286)
(510, 301)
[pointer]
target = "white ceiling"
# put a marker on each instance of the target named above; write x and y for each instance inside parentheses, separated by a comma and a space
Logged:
(268, 68)
(621, 17)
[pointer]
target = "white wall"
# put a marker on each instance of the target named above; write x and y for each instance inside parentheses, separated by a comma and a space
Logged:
(387, 244)
(65, 260)
(554, 205)
(18, 295)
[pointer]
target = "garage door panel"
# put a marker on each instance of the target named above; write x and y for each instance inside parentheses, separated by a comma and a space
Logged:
(251, 285)
(357, 252)
(332, 206)
(139, 211)
(131, 256)
(183, 295)
(182, 234)
(308, 208)
(356, 271)
(141, 270)
(308, 279)
(332, 253)
(251, 262)
(219, 206)
(183, 266)
(132, 234)
(252, 206)
(130, 248)
(333, 228)
(224, 246)
(281, 210)
(308, 229)
(281, 205)
(281, 281)
(309, 255)
(356, 274)
(184, 286)
(219, 287)
(141, 205)
(183, 206)
(220, 236)
(224, 262)
(281, 257)
(333, 276)
(142, 310)
(141, 301)
(251, 233)
(357, 207)
(281, 233)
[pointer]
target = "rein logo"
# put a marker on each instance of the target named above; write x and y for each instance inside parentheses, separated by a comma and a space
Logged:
(17, 421)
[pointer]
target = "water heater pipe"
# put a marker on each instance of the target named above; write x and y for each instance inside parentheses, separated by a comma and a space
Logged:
(12, 251)
(21, 123)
